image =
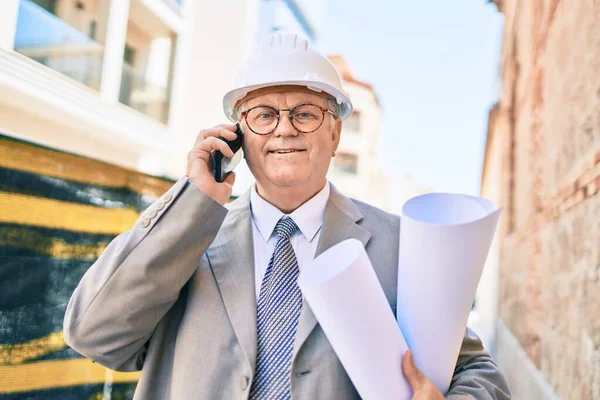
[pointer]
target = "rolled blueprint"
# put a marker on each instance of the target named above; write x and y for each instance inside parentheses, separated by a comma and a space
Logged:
(344, 293)
(444, 242)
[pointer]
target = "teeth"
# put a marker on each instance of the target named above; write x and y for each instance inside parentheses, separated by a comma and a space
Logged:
(285, 151)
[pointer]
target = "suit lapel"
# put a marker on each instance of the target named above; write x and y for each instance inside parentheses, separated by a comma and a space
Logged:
(232, 261)
(231, 258)
(339, 224)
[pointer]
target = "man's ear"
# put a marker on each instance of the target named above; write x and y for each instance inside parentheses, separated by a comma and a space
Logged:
(336, 133)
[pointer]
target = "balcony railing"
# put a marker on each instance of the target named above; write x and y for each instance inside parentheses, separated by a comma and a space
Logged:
(51, 41)
(144, 96)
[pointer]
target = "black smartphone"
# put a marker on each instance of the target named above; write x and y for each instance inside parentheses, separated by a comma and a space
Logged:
(222, 165)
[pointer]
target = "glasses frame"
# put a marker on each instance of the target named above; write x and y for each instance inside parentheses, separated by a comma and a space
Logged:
(244, 116)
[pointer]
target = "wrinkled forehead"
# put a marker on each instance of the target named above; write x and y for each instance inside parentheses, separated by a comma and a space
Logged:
(276, 94)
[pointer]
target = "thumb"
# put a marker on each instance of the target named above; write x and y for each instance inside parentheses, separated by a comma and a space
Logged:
(230, 179)
(412, 374)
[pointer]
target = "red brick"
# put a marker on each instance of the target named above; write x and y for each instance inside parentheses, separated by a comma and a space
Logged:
(592, 187)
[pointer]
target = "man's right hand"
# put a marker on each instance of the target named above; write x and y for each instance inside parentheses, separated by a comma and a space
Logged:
(423, 388)
(199, 170)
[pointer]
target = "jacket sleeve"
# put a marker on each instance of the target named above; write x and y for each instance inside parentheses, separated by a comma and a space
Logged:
(127, 291)
(476, 376)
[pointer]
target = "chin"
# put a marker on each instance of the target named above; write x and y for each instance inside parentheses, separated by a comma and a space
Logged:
(289, 177)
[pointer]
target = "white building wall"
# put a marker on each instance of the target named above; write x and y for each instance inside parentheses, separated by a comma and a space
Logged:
(8, 23)
(213, 57)
(116, 31)
(42, 105)
(369, 183)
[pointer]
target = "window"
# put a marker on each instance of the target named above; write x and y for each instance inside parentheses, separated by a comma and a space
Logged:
(129, 56)
(128, 76)
(148, 60)
(346, 162)
(62, 36)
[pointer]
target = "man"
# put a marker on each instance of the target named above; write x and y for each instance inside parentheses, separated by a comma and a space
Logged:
(203, 298)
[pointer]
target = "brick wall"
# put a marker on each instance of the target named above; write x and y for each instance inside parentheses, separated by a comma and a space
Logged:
(549, 283)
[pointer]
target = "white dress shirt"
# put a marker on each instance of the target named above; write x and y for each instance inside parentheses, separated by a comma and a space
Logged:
(309, 218)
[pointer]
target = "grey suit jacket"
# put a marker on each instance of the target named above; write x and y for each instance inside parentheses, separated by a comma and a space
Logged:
(175, 298)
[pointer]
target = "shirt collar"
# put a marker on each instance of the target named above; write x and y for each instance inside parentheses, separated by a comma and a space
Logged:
(309, 216)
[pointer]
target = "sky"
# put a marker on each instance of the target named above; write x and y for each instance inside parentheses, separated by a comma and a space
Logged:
(435, 68)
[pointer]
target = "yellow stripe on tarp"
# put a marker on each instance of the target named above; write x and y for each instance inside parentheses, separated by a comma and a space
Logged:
(58, 373)
(17, 237)
(18, 353)
(48, 213)
(38, 160)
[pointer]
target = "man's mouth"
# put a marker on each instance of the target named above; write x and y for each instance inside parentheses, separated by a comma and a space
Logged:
(288, 151)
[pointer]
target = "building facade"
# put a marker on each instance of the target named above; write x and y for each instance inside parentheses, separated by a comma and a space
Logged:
(356, 168)
(543, 164)
(129, 82)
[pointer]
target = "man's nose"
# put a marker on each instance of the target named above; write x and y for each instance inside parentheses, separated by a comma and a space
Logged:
(285, 127)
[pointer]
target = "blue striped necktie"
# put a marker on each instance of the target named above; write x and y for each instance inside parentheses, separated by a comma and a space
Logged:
(279, 305)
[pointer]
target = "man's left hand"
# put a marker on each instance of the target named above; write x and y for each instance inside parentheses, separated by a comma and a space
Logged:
(423, 388)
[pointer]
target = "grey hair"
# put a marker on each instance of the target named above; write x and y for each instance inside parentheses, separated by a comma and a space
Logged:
(332, 105)
(237, 112)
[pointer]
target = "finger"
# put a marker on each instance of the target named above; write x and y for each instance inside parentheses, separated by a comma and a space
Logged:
(212, 143)
(198, 159)
(214, 132)
(203, 155)
(198, 154)
(230, 127)
(218, 131)
(412, 374)
(230, 179)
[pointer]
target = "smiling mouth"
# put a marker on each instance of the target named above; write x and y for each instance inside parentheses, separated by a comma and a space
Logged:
(285, 151)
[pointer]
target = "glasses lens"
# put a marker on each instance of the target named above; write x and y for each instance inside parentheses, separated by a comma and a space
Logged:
(262, 120)
(307, 118)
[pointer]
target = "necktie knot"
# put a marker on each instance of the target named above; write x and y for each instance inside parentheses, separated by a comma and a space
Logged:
(285, 228)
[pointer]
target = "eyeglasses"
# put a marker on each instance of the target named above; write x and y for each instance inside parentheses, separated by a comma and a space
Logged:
(306, 118)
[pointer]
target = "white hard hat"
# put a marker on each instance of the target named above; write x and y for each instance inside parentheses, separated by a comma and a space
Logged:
(287, 59)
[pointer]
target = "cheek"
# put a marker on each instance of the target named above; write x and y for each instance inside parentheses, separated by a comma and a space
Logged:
(321, 149)
(313, 163)
(253, 151)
